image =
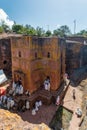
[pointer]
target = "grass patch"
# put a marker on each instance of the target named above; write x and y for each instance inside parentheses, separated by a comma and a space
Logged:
(61, 119)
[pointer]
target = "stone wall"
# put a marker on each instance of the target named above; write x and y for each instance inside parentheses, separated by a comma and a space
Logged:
(5, 56)
(82, 39)
(84, 55)
(76, 55)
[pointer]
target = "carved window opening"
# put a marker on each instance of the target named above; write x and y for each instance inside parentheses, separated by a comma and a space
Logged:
(4, 62)
(48, 55)
(19, 54)
(35, 54)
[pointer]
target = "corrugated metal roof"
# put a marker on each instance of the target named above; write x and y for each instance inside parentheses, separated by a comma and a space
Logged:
(3, 77)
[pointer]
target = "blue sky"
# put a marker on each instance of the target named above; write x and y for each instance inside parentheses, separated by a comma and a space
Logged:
(47, 13)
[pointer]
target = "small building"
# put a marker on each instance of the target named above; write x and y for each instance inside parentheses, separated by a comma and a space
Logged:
(34, 59)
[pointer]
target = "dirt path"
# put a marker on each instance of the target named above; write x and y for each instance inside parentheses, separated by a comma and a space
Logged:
(72, 105)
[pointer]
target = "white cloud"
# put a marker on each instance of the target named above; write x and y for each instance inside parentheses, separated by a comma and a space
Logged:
(4, 17)
(58, 26)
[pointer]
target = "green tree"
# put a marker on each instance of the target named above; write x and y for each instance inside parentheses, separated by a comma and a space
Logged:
(62, 31)
(30, 30)
(40, 31)
(57, 32)
(48, 33)
(1, 29)
(65, 30)
(5, 27)
(82, 32)
(17, 28)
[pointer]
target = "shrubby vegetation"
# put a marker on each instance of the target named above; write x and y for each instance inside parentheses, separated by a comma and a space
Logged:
(27, 29)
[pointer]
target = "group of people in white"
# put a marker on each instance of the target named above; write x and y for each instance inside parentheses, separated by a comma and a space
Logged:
(37, 105)
(6, 101)
(17, 88)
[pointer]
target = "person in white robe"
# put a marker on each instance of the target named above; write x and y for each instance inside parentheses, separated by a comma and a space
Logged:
(58, 100)
(36, 108)
(40, 103)
(47, 84)
(46, 87)
(4, 98)
(27, 105)
(21, 89)
(37, 104)
(1, 98)
(8, 104)
(13, 86)
(17, 90)
(12, 103)
(33, 112)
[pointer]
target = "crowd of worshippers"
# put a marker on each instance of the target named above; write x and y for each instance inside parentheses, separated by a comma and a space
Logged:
(8, 102)
(47, 84)
(17, 88)
(25, 105)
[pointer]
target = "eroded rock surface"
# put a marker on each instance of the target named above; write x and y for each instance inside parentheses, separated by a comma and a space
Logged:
(10, 121)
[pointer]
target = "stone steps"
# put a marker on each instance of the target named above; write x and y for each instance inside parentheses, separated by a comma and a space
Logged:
(47, 97)
(43, 95)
